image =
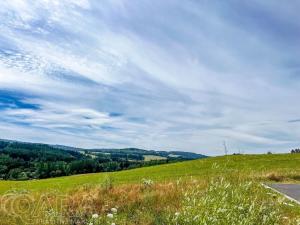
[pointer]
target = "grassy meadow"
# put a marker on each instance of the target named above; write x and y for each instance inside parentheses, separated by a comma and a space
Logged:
(216, 190)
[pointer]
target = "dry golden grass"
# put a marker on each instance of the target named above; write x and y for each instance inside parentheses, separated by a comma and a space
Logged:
(136, 199)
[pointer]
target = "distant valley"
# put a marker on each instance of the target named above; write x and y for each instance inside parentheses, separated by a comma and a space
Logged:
(25, 161)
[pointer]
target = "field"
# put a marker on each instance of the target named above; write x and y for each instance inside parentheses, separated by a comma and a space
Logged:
(153, 157)
(217, 190)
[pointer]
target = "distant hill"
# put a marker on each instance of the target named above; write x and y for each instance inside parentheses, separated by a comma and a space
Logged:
(266, 167)
(23, 161)
(167, 154)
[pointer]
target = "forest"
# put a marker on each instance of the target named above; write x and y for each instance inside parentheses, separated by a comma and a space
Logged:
(24, 161)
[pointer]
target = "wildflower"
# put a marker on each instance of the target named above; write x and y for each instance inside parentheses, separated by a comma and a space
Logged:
(95, 216)
(110, 215)
(177, 214)
(114, 210)
(91, 223)
(113, 224)
(148, 182)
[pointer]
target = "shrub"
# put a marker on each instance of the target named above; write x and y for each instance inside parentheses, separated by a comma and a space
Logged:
(275, 177)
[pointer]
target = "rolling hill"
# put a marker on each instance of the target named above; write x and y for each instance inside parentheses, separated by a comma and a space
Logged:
(259, 167)
(27, 161)
(217, 190)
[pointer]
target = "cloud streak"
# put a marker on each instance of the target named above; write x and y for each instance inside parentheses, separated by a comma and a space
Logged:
(159, 75)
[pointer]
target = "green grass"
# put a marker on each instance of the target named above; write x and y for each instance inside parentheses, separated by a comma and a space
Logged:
(259, 167)
(218, 190)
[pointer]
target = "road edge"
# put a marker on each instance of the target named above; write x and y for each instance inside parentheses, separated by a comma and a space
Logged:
(278, 192)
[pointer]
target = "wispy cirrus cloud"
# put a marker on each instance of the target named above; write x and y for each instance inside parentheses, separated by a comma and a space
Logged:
(151, 74)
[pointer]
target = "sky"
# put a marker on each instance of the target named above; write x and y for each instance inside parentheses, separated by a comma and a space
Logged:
(164, 75)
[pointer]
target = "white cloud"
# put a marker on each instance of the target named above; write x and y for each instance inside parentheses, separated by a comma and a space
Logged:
(187, 78)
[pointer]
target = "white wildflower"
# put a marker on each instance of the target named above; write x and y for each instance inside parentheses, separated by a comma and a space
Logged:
(110, 215)
(95, 216)
(177, 214)
(114, 210)
(147, 182)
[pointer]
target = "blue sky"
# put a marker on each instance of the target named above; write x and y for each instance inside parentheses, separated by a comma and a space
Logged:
(167, 75)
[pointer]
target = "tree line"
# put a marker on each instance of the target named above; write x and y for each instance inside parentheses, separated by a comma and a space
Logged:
(24, 161)
(297, 150)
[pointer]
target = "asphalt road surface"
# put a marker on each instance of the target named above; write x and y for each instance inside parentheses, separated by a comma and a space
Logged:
(291, 190)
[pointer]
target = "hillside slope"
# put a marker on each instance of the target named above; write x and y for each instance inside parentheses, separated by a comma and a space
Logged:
(27, 161)
(284, 166)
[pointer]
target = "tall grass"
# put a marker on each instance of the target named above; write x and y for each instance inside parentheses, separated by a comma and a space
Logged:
(216, 191)
(217, 201)
(227, 203)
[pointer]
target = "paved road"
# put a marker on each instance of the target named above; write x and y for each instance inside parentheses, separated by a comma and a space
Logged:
(291, 190)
